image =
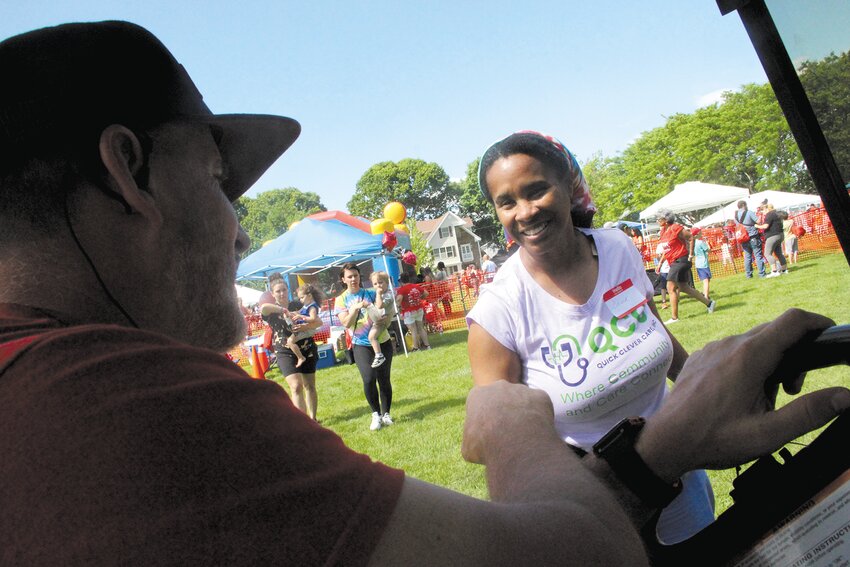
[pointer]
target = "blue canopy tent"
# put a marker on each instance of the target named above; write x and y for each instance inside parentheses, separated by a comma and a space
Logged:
(313, 246)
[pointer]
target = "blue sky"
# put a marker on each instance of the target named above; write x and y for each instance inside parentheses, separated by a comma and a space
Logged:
(373, 81)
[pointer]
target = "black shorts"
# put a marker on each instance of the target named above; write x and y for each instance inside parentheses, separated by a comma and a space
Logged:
(286, 359)
(680, 270)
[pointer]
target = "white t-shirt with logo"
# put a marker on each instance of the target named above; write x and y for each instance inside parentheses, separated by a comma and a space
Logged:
(597, 368)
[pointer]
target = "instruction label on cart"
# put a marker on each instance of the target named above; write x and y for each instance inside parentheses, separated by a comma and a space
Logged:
(817, 533)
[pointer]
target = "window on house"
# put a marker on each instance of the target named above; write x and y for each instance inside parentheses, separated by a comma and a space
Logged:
(444, 252)
(446, 231)
(466, 253)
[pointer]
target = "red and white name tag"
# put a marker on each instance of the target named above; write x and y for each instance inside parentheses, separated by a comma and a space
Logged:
(623, 298)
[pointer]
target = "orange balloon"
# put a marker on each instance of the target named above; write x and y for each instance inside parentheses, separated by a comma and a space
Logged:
(395, 212)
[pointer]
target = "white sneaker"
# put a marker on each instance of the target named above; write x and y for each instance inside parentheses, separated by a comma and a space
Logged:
(379, 360)
(386, 419)
(376, 421)
(711, 306)
(772, 275)
(671, 321)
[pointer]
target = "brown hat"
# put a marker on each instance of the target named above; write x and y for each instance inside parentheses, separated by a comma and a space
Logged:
(66, 82)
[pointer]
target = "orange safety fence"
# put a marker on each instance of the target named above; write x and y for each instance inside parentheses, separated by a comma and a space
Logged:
(726, 256)
(241, 354)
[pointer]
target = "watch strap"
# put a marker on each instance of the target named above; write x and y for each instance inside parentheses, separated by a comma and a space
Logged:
(617, 447)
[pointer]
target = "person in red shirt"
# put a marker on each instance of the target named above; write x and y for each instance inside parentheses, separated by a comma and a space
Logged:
(677, 243)
(410, 297)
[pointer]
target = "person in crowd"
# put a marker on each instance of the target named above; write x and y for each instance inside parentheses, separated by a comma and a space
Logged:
(155, 449)
(308, 319)
(471, 280)
(280, 319)
(701, 263)
(377, 386)
(381, 313)
(298, 365)
(267, 296)
(821, 223)
(677, 244)
(441, 274)
(791, 246)
(560, 310)
(761, 211)
(488, 266)
(426, 275)
(410, 297)
(773, 235)
(637, 239)
(726, 253)
(443, 288)
(662, 268)
(752, 248)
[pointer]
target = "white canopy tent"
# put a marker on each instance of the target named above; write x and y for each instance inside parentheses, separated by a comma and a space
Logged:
(781, 200)
(694, 196)
(247, 295)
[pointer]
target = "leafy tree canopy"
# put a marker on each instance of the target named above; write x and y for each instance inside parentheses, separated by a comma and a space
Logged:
(419, 246)
(424, 189)
(472, 204)
(827, 84)
(743, 141)
(269, 214)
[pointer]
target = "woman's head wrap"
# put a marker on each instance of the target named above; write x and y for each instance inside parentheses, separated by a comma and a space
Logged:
(552, 152)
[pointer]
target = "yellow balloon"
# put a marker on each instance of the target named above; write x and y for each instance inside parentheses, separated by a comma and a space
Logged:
(395, 212)
(401, 228)
(380, 226)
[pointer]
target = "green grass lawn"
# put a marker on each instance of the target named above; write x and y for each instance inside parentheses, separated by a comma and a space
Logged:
(430, 387)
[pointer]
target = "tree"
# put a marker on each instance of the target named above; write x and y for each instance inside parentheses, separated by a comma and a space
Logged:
(423, 188)
(272, 212)
(472, 204)
(743, 141)
(827, 84)
(605, 178)
(419, 246)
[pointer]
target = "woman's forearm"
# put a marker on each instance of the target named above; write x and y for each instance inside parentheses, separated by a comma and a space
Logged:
(270, 309)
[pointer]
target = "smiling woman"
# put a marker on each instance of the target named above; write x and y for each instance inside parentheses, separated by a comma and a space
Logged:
(540, 321)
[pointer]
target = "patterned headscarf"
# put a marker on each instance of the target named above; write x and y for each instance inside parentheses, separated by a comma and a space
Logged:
(582, 202)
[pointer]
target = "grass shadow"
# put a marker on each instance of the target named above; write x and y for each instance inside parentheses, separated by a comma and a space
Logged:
(411, 408)
(449, 338)
(418, 413)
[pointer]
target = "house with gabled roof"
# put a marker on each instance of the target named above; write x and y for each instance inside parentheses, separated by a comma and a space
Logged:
(452, 241)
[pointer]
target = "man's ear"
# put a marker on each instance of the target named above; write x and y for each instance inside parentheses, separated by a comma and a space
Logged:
(123, 158)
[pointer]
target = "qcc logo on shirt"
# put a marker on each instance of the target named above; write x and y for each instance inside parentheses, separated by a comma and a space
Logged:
(561, 354)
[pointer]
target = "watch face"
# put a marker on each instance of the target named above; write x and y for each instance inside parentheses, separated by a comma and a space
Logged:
(624, 432)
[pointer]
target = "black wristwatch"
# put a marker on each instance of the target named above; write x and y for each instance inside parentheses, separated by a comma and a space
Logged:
(617, 447)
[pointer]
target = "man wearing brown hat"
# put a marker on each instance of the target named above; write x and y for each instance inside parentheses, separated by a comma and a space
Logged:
(126, 438)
